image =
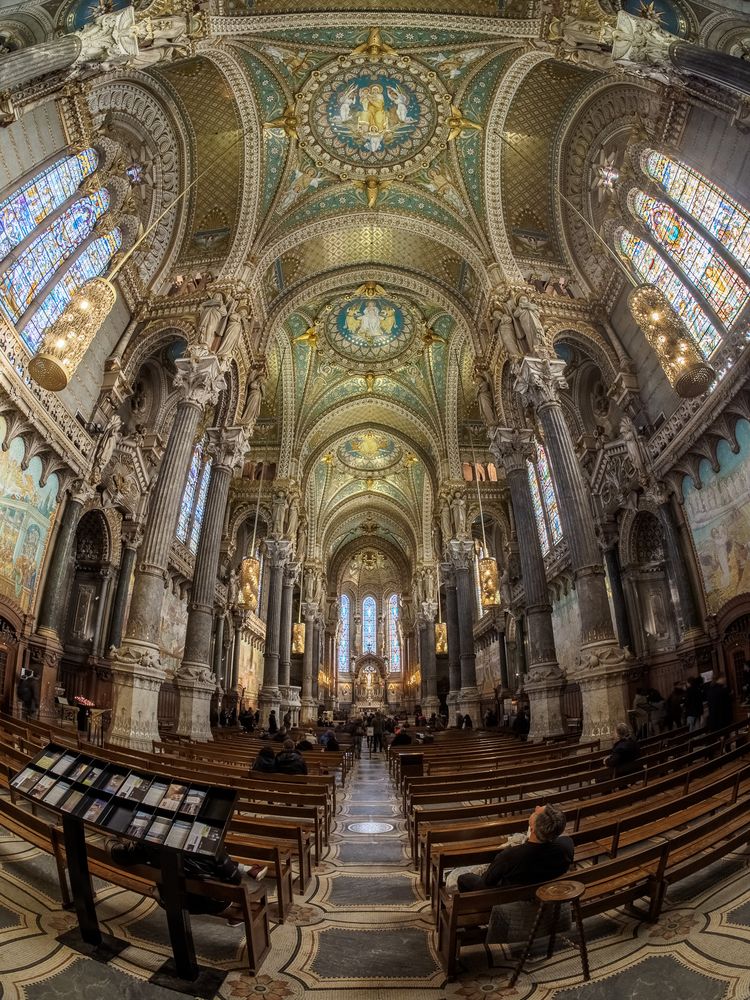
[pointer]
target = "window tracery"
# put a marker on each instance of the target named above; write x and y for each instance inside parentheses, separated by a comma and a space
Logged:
(369, 625)
(193, 505)
(344, 633)
(394, 642)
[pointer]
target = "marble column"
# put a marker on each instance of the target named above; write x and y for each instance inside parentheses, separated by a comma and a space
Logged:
(428, 695)
(610, 546)
(194, 679)
(285, 635)
(454, 642)
(316, 666)
(219, 650)
(503, 657)
(19, 68)
(690, 618)
(238, 622)
(461, 554)
(309, 706)
(602, 667)
(132, 536)
(137, 668)
(54, 602)
(544, 682)
(278, 553)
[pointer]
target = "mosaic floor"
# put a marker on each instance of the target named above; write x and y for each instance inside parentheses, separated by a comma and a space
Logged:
(364, 931)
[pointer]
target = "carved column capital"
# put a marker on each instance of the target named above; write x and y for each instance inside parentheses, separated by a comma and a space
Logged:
(512, 447)
(279, 551)
(200, 376)
(461, 553)
(540, 380)
(228, 446)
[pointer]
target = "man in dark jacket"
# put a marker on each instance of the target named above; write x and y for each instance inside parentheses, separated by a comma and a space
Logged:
(401, 739)
(545, 856)
(625, 752)
(290, 761)
(719, 700)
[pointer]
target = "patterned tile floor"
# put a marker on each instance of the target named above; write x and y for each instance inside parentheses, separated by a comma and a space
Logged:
(365, 931)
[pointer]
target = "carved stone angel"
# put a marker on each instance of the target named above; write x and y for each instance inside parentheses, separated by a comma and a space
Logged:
(254, 393)
(212, 314)
(105, 448)
(502, 321)
(485, 396)
(529, 324)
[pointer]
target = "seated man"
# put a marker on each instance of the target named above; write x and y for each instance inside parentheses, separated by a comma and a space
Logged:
(623, 759)
(290, 761)
(546, 855)
(401, 739)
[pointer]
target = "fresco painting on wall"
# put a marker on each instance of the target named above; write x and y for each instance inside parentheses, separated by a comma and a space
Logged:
(566, 625)
(27, 512)
(173, 625)
(719, 519)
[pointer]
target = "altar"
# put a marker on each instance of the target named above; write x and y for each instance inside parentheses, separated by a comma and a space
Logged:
(369, 689)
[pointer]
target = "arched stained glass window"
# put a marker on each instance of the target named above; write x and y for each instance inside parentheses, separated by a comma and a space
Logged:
(548, 495)
(723, 288)
(654, 270)
(344, 633)
(369, 625)
(24, 210)
(721, 215)
(536, 498)
(93, 261)
(188, 496)
(26, 276)
(200, 507)
(394, 642)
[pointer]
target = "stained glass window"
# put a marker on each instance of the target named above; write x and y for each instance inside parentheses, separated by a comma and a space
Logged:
(369, 625)
(200, 507)
(23, 279)
(93, 261)
(721, 215)
(186, 508)
(24, 210)
(344, 632)
(695, 256)
(548, 495)
(394, 643)
(654, 270)
(536, 498)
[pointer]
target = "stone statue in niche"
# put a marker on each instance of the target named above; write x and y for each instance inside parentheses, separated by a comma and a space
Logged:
(445, 523)
(635, 449)
(485, 395)
(528, 324)
(458, 514)
(254, 392)
(105, 448)
(236, 323)
(212, 316)
(292, 520)
(302, 540)
(502, 324)
(278, 507)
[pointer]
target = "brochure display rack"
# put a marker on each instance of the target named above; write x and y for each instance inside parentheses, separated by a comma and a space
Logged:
(176, 819)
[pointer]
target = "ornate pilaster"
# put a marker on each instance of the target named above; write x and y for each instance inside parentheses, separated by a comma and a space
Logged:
(602, 666)
(219, 650)
(132, 536)
(610, 537)
(200, 377)
(512, 449)
(454, 642)
(278, 553)
(287, 613)
(194, 679)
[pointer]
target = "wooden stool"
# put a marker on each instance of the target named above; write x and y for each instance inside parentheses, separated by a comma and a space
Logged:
(555, 894)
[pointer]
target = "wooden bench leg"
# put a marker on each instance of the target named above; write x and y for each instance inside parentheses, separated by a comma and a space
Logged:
(581, 939)
(526, 951)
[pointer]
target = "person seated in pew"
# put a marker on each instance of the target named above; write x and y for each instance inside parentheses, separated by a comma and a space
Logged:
(623, 759)
(247, 720)
(279, 736)
(265, 761)
(544, 855)
(521, 724)
(331, 742)
(222, 868)
(402, 738)
(290, 761)
(307, 742)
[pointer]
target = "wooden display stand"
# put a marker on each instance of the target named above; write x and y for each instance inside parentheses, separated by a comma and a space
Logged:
(174, 820)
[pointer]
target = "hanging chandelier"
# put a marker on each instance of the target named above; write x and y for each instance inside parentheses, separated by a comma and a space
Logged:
(70, 336)
(687, 372)
(298, 637)
(249, 584)
(441, 638)
(489, 583)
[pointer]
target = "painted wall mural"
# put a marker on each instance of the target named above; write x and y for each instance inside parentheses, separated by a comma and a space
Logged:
(566, 624)
(250, 673)
(27, 512)
(719, 519)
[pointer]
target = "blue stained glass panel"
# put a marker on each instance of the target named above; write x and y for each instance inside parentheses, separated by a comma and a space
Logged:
(536, 499)
(200, 507)
(654, 270)
(548, 495)
(393, 638)
(369, 625)
(25, 277)
(721, 215)
(708, 271)
(344, 633)
(24, 210)
(93, 261)
(188, 495)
